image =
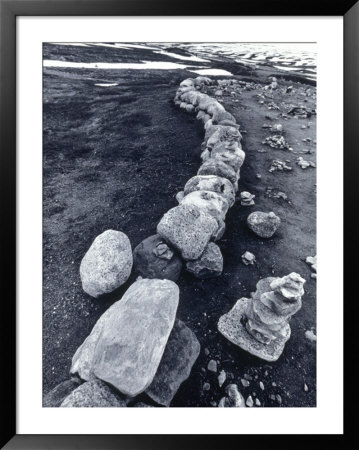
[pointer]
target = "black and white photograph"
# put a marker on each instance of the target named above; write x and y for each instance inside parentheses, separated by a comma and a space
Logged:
(179, 224)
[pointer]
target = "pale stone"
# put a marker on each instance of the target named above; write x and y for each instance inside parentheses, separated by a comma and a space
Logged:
(127, 343)
(263, 224)
(188, 229)
(107, 264)
(213, 183)
(209, 202)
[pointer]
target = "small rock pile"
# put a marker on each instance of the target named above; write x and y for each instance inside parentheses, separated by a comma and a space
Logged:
(312, 262)
(247, 199)
(259, 324)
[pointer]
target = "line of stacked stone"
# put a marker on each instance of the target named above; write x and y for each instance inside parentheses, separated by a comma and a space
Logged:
(193, 227)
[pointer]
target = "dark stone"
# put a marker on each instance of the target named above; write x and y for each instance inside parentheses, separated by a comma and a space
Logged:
(180, 354)
(154, 259)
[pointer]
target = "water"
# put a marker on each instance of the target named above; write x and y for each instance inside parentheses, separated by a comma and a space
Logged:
(298, 58)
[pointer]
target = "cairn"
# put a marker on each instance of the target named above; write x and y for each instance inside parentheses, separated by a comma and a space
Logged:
(260, 324)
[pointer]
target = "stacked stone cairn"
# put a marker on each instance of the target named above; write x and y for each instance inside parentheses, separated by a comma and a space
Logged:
(193, 227)
(259, 324)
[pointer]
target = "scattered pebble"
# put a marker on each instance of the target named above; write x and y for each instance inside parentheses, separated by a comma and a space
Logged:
(244, 382)
(206, 387)
(247, 199)
(206, 351)
(277, 164)
(302, 163)
(310, 336)
(261, 385)
(249, 401)
(221, 378)
(312, 261)
(279, 399)
(248, 258)
(306, 387)
(258, 403)
(212, 365)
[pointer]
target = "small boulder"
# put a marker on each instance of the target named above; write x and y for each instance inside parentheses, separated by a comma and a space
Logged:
(263, 224)
(180, 354)
(209, 264)
(153, 258)
(107, 264)
(93, 394)
(212, 183)
(209, 202)
(188, 229)
(221, 169)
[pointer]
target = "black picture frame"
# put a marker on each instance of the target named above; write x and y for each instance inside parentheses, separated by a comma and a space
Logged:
(9, 10)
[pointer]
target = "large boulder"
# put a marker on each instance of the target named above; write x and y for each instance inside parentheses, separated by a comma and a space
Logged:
(107, 264)
(93, 394)
(213, 183)
(126, 345)
(153, 258)
(209, 264)
(188, 229)
(55, 397)
(263, 224)
(180, 354)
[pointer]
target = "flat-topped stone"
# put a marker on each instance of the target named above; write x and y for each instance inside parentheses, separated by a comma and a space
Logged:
(126, 345)
(231, 326)
(188, 229)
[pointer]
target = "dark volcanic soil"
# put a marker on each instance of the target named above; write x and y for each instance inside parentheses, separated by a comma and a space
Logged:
(115, 157)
